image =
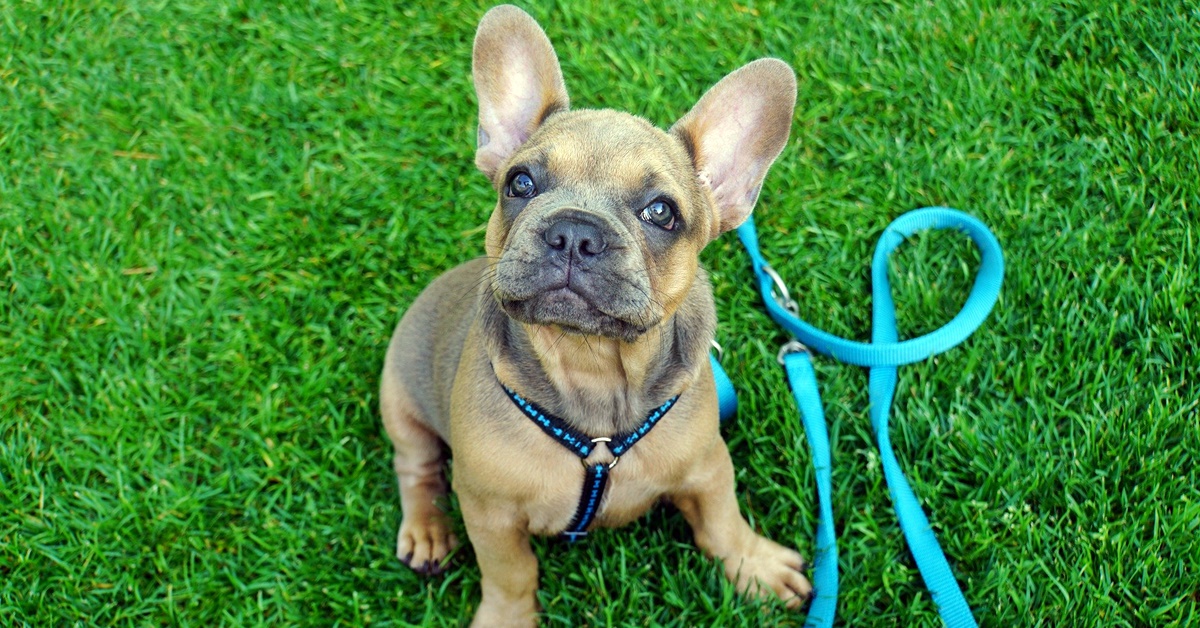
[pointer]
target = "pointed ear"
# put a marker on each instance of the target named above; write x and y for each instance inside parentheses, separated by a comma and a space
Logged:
(736, 131)
(518, 82)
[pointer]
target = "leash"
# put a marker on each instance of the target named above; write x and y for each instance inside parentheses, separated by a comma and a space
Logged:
(882, 356)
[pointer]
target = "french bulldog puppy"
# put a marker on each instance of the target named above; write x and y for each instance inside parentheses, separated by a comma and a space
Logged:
(583, 334)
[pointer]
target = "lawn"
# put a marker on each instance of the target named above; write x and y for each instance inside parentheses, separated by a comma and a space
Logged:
(212, 215)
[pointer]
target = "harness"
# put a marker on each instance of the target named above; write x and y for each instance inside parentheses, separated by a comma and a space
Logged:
(578, 443)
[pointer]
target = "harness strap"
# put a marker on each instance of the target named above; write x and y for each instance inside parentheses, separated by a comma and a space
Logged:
(558, 429)
(589, 502)
(596, 478)
(882, 355)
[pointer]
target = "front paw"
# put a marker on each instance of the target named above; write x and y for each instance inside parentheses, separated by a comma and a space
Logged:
(423, 542)
(768, 567)
(516, 614)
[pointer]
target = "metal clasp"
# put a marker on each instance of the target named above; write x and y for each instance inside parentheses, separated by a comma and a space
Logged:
(780, 292)
(791, 346)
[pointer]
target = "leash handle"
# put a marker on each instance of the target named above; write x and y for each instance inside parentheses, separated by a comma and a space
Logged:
(882, 355)
(979, 303)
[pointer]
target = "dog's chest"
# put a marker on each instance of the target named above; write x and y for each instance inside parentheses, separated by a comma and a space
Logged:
(628, 496)
(632, 488)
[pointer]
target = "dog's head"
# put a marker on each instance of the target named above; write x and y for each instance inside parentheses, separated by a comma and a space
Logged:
(601, 216)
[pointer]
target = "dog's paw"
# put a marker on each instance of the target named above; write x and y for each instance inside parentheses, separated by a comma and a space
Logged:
(423, 543)
(515, 615)
(770, 568)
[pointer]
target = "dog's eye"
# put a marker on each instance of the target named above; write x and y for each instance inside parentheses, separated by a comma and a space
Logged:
(521, 185)
(660, 214)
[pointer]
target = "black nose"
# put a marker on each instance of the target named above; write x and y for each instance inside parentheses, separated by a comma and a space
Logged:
(580, 239)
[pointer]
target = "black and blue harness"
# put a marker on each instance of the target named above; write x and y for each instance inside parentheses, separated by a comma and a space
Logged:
(578, 443)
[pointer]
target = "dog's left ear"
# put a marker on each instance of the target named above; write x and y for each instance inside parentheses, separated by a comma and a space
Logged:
(518, 81)
(735, 132)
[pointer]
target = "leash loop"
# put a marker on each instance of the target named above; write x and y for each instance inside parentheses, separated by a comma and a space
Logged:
(882, 355)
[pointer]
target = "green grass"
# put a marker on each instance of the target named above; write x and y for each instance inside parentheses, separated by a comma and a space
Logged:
(212, 216)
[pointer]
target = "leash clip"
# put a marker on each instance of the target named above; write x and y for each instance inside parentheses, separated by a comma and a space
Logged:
(780, 292)
(791, 346)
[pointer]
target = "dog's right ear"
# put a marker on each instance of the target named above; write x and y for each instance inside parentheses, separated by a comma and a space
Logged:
(518, 82)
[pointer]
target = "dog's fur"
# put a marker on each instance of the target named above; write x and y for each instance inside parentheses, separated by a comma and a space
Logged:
(590, 310)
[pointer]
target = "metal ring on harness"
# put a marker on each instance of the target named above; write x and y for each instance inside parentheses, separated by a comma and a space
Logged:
(605, 439)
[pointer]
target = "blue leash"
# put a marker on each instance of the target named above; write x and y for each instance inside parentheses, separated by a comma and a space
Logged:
(882, 356)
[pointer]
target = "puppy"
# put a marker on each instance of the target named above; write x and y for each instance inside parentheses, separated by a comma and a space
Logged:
(584, 333)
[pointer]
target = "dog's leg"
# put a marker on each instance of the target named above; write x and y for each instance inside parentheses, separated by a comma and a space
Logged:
(755, 564)
(424, 538)
(506, 562)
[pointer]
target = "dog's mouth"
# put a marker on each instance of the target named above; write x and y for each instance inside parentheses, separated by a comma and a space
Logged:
(571, 311)
(592, 304)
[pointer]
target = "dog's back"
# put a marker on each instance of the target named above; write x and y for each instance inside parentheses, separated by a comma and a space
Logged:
(423, 355)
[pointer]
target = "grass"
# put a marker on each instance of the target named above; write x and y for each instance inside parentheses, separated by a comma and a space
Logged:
(211, 217)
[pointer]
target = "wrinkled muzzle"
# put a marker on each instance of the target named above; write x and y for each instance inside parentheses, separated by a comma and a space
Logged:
(578, 270)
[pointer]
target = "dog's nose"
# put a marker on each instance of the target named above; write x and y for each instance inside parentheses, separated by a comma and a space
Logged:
(581, 239)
